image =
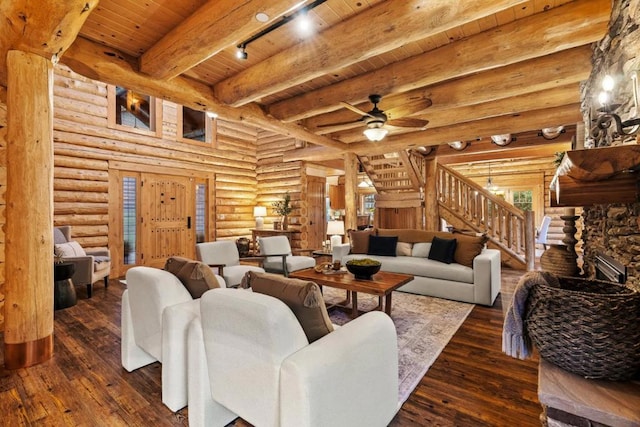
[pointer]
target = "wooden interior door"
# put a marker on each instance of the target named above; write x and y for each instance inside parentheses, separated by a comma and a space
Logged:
(167, 209)
(316, 199)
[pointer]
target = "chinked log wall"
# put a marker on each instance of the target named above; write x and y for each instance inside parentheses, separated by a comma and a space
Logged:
(276, 178)
(84, 147)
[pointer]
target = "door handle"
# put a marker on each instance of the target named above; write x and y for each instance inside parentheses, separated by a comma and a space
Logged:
(189, 222)
(310, 222)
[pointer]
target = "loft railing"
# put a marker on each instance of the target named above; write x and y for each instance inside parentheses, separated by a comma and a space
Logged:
(508, 227)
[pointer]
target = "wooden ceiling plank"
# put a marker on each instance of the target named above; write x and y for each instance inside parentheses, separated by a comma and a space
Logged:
(574, 24)
(47, 31)
(212, 28)
(338, 46)
(568, 114)
(101, 63)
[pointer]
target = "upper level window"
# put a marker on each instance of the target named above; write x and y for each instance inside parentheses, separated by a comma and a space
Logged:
(134, 111)
(195, 125)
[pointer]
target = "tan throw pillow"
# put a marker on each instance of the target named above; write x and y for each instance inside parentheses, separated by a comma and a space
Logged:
(196, 276)
(404, 249)
(302, 297)
(468, 248)
(360, 240)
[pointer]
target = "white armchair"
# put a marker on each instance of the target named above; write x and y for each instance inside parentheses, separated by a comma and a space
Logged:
(224, 256)
(156, 312)
(90, 265)
(279, 258)
(261, 366)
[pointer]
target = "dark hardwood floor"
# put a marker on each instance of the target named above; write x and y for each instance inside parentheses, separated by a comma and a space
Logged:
(471, 384)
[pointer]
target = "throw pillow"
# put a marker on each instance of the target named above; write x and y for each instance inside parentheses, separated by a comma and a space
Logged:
(442, 250)
(421, 250)
(70, 249)
(360, 240)
(404, 249)
(384, 246)
(468, 247)
(302, 297)
(196, 276)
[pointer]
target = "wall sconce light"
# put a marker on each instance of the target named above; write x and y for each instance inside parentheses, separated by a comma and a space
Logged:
(503, 139)
(552, 132)
(259, 212)
(212, 115)
(607, 120)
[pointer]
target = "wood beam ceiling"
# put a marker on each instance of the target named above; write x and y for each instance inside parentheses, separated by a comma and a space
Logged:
(340, 46)
(108, 65)
(212, 28)
(571, 25)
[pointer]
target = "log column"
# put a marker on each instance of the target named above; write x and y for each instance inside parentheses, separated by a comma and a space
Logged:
(350, 191)
(431, 209)
(28, 334)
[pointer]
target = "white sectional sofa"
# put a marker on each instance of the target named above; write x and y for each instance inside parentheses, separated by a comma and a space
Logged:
(477, 282)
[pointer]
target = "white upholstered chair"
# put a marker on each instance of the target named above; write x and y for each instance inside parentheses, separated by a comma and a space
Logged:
(156, 312)
(90, 265)
(259, 365)
(223, 256)
(279, 258)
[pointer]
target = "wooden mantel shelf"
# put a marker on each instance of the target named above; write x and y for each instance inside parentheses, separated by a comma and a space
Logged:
(597, 176)
(599, 163)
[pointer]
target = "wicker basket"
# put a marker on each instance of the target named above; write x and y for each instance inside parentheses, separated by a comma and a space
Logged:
(588, 327)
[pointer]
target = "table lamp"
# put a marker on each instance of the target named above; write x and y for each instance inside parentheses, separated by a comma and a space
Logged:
(259, 212)
(336, 230)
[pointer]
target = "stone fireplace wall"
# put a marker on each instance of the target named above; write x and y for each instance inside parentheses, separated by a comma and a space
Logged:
(615, 229)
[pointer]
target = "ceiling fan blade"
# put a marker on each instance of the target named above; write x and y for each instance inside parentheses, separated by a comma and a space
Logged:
(409, 108)
(409, 123)
(354, 109)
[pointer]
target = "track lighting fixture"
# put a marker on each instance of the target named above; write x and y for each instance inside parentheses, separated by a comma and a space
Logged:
(241, 53)
(552, 132)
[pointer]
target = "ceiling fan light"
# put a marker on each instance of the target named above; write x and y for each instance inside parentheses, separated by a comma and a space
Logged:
(375, 134)
(501, 140)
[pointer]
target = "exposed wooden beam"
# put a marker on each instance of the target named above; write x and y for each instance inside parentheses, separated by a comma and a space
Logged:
(108, 65)
(338, 46)
(46, 29)
(573, 24)
(526, 145)
(215, 26)
(522, 122)
(525, 77)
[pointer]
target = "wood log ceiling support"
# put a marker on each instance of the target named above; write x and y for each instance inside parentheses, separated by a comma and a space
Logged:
(520, 122)
(28, 331)
(573, 24)
(534, 75)
(47, 31)
(213, 27)
(337, 47)
(109, 65)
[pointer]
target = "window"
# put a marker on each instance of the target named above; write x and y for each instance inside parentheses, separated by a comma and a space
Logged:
(195, 126)
(523, 200)
(129, 218)
(133, 111)
(201, 212)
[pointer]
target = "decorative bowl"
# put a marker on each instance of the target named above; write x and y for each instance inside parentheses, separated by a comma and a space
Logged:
(363, 268)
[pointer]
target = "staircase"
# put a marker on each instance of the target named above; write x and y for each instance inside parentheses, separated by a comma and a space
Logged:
(461, 202)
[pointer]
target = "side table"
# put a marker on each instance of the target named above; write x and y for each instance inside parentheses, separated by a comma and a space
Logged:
(64, 293)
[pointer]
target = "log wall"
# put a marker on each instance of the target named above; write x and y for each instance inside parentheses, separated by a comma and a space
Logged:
(276, 178)
(84, 149)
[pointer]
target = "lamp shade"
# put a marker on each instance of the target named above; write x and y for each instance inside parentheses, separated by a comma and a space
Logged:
(259, 211)
(335, 228)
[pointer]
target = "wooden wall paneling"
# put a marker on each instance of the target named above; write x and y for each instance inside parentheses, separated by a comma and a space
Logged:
(3, 187)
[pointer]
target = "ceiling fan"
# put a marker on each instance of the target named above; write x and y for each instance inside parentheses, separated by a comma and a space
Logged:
(378, 121)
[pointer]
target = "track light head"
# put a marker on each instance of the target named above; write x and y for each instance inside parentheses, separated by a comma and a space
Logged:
(241, 53)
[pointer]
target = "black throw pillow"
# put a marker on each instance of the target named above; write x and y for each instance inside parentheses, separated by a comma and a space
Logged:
(382, 245)
(442, 250)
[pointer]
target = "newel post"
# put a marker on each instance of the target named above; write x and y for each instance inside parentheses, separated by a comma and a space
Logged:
(529, 240)
(28, 330)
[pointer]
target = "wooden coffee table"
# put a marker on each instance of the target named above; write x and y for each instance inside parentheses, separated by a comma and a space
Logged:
(381, 285)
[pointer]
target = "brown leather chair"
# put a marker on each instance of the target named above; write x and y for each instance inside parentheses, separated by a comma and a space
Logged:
(91, 265)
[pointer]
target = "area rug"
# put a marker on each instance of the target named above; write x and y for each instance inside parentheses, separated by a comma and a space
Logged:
(424, 326)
